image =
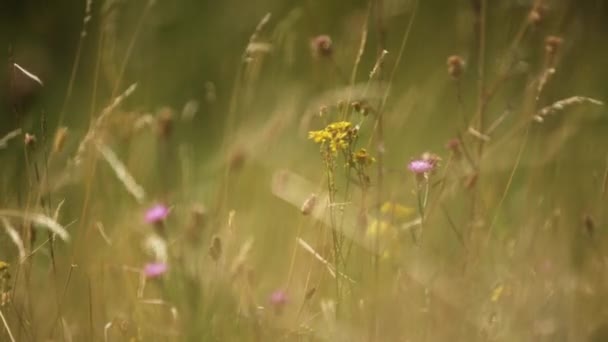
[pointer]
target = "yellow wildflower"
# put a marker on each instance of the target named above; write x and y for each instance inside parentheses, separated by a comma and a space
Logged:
(396, 210)
(338, 135)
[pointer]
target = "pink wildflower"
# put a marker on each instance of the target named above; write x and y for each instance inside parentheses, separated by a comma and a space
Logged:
(156, 214)
(155, 269)
(420, 166)
(278, 299)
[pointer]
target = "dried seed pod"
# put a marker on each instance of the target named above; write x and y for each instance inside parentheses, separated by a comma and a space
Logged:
(535, 16)
(165, 122)
(454, 145)
(323, 111)
(455, 65)
(29, 140)
(237, 158)
(589, 224)
(309, 205)
(198, 221)
(552, 44)
(215, 251)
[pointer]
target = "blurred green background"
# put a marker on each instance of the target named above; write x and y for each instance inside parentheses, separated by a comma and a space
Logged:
(253, 114)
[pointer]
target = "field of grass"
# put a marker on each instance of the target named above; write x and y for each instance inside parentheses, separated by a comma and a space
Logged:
(307, 170)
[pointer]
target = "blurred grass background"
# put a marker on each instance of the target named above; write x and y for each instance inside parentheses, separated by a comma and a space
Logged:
(540, 189)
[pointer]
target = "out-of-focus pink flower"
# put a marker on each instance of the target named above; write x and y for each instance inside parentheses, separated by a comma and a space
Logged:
(157, 213)
(321, 46)
(278, 299)
(420, 166)
(155, 269)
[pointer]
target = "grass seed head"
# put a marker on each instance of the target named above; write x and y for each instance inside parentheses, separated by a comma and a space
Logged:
(60, 137)
(309, 205)
(455, 65)
(454, 146)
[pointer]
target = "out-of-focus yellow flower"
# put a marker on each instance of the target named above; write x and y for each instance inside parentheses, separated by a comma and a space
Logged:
(377, 228)
(396, 210)
(497, 292)
(363, 158)
(387, 236)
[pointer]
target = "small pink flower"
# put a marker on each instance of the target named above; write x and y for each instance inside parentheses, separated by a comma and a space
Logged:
(420, 166)
(321, 46)
(155, 269)
(278, 299)
(156, 214)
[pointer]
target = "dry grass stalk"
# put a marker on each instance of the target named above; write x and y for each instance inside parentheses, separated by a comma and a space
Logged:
(378, 64)
(58, 210)
(9, 136)
(15, 237)
(472, 131)
(121, 172)
(39, 219)
(241, 258)
(560, 105)
(330, 268)
(8, 330)
(543, 81)
(96, 127)
(103, 234)
(28, 74)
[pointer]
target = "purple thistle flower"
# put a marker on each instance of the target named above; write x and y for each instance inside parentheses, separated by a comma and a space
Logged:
(155, 269)
(420, 166)
(156, 214)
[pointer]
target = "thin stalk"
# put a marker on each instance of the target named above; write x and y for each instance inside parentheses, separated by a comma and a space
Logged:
(8, 330)
(379, 133)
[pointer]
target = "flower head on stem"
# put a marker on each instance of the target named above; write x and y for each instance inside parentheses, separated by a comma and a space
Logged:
(156, 215)
(420, 166)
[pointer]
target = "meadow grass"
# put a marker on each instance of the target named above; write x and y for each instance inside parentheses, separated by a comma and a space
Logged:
(394, 171)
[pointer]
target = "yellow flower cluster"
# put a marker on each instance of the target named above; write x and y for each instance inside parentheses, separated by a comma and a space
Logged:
(338, 135)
